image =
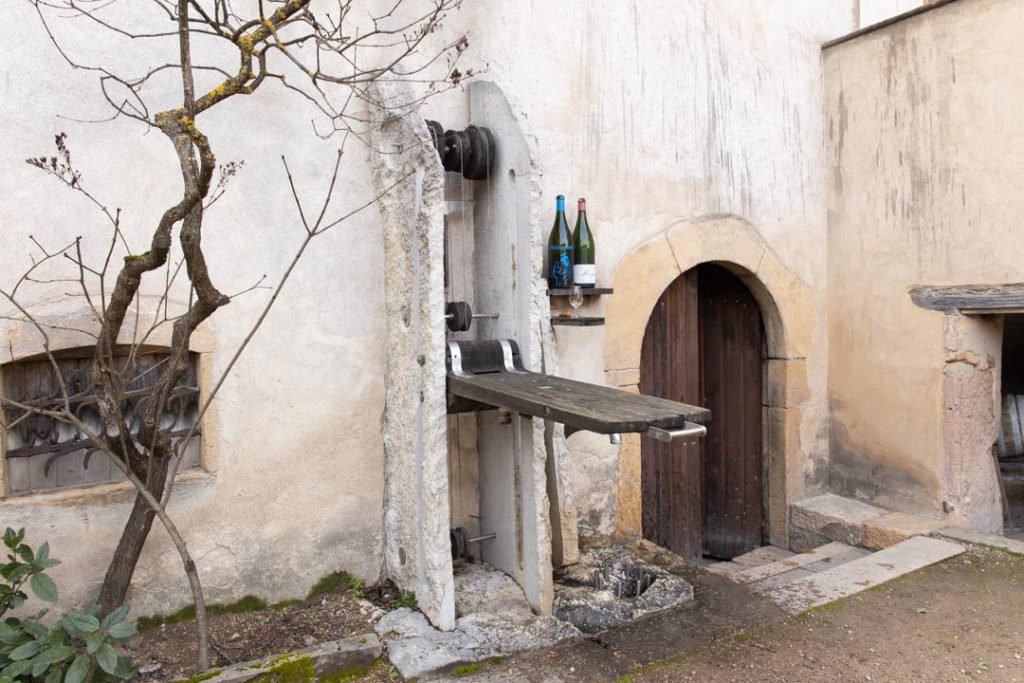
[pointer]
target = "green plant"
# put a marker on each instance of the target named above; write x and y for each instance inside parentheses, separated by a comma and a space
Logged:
(79, 647)
(24, 566)
(356, 587)
(334, 582)
(407, 599)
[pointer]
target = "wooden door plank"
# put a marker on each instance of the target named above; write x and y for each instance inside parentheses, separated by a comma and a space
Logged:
(670, 476)
(732, 342)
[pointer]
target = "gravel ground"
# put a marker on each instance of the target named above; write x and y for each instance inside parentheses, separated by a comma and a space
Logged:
(961, 620)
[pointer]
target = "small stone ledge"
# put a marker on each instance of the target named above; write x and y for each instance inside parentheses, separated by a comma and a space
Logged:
(996, 541)
(826, 518)
(829, 517)
(336, 660)
(894, 527)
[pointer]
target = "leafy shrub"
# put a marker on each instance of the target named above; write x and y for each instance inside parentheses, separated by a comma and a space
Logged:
(79, 647)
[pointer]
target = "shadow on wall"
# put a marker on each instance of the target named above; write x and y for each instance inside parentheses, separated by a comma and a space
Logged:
(857, 473)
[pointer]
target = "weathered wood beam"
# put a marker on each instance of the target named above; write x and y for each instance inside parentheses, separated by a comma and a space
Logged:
(971, 299)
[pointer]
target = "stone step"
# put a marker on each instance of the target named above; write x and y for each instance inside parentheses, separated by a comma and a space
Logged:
(829, 517)
(825, 552)
(755, 558)
(853, 577)
(1011, 544)
(763, 555)
(842, 558)
(766, 584)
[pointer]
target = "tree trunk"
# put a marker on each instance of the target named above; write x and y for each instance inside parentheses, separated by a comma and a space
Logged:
(129, 548)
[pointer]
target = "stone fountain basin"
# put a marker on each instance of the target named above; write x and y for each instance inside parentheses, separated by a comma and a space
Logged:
(610, 586)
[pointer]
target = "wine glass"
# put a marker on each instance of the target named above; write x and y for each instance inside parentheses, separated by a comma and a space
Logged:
(575, 298)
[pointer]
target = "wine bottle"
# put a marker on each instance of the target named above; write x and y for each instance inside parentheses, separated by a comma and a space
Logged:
(583, 272)
(560, 249)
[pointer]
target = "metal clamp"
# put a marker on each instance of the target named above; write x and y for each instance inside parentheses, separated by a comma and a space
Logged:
(455, 356)
(507, 356)
(689, 431)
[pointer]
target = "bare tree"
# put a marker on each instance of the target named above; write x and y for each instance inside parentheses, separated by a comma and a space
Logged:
(328, 54)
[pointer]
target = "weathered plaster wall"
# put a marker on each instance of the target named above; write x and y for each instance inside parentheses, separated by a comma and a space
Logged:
(924, 176)
(656, 112)
(293, 445)
(874, 11)
(661, 112)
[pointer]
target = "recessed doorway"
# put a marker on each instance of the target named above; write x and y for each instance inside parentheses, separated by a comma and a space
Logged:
(705, 345)
(1010, 445)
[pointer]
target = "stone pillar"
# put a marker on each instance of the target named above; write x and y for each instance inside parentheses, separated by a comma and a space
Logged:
(508, 262)
(970, 392)
(416, 510)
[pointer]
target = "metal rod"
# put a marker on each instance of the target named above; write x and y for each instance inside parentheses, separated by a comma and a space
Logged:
(689, 431)
(485, 537)
(475, 316)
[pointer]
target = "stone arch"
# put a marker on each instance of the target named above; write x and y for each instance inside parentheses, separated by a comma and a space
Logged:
(787, 307)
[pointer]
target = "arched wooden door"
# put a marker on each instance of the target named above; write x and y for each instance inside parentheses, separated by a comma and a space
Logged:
(704, 345)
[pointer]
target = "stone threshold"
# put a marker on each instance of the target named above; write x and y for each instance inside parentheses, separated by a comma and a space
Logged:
(826, 518)
(831, 518)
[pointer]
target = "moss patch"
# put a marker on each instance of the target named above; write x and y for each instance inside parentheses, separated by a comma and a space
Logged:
(467, 669)
(288, 669)
(332, 583)
(204, 676)
(352, 673)
(250, 603)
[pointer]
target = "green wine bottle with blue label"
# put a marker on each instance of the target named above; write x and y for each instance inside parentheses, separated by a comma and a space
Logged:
(560, 249)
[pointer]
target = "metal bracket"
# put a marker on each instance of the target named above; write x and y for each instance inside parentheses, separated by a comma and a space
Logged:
(690, 432)
(455, 355)
(506, 356)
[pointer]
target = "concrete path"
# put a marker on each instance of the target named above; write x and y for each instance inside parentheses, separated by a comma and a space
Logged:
(861, 574)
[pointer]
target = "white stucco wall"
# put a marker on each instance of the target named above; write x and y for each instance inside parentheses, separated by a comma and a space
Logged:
(875, 11)
(653, 111)
(657, 112)
(294, 444)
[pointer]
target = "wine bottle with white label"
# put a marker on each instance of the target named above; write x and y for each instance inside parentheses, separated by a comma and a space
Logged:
(583, 271)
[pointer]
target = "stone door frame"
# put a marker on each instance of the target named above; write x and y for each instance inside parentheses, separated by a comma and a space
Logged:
(790, 321)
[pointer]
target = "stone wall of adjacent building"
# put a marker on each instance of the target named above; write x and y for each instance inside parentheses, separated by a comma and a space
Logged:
(923, 186)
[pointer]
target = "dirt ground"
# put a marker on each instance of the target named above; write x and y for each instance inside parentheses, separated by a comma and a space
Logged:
(251, 635)
(962, 620)
(242, 632)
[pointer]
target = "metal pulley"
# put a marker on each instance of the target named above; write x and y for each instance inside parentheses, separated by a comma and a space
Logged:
(459, 316)
(461, 541)
(470, 152)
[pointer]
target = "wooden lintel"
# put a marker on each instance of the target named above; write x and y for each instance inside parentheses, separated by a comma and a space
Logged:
(971, 299)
